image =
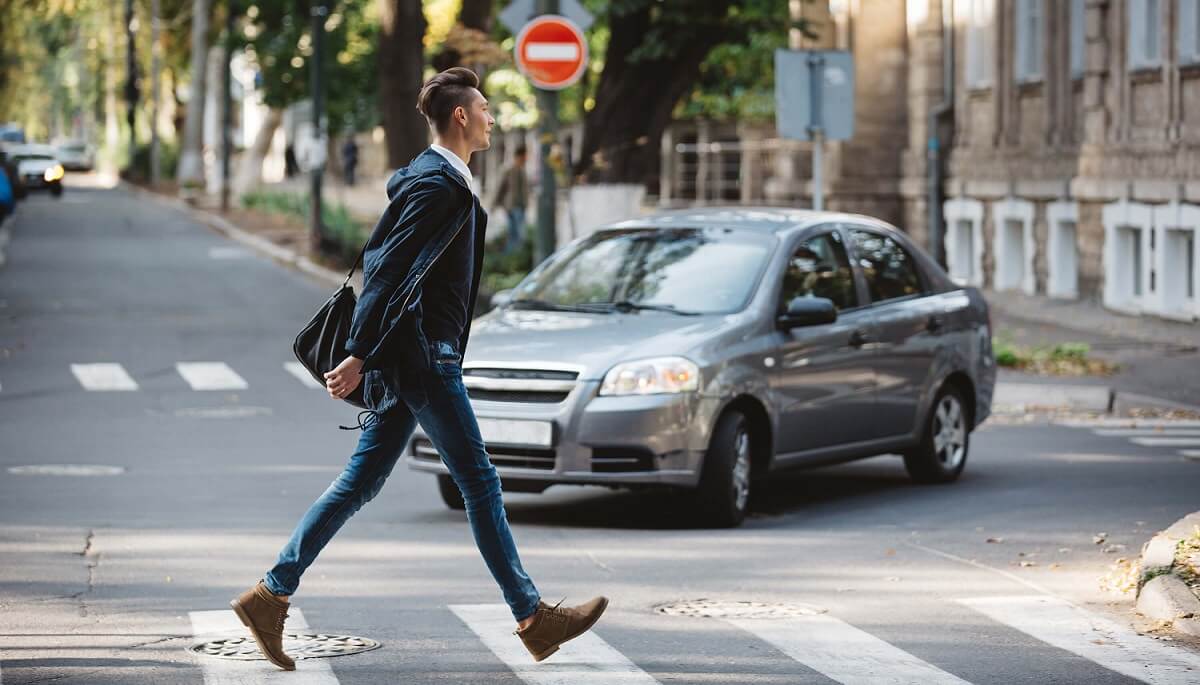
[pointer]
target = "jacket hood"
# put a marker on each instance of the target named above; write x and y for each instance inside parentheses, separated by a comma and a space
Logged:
(594, 341)
(427, 163)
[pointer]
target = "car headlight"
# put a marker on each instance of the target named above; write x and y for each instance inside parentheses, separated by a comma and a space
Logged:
(54, 173)
(662, 375)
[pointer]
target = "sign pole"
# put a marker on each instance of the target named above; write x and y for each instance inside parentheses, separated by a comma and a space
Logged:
(319, 13)
(816, 69)
(547, 101)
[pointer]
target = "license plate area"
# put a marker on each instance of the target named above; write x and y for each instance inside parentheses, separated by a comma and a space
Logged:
(516, 432)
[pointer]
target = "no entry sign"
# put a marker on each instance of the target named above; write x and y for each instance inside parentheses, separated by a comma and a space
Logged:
(551, 51)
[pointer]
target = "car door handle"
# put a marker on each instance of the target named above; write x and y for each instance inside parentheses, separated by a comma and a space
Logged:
(859, 338)
(935, 324)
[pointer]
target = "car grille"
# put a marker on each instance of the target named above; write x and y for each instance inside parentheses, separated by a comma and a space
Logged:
(497, 383)
(514, 457)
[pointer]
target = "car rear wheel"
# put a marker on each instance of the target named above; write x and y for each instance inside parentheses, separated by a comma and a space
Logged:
(723, 495)
(450, 493)
(942, 453)
(56, 190)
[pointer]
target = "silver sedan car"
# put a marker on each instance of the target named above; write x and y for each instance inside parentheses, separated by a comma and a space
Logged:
(708, 349)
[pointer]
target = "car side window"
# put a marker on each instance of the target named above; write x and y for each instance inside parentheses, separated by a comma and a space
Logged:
(820, 267)
(890, 271)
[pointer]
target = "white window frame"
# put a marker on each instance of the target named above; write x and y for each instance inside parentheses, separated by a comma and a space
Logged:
(1062, 256)
(1078, 38)
(1030, 26)
(1144, 47)
(1119, 289)
(1004, 212)
(959, 211)
(1187, 31)
(980, 18)
(1172, 223)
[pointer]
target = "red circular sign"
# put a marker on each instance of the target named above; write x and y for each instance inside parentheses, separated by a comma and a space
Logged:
(551, 51)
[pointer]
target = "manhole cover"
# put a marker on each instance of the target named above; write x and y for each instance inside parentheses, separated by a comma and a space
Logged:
(297, 646)
(67, 470)
(715, 608)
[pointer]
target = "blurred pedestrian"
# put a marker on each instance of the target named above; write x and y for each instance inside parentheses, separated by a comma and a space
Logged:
(425, 255)
(290, 167)
(349, 159)
(513, 196)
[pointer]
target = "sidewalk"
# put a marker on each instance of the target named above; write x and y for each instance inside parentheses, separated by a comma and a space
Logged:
(1157, 358)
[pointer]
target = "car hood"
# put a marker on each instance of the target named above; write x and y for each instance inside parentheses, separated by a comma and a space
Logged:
(594, 341)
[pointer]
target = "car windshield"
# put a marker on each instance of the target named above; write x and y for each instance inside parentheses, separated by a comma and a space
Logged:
(679, 270)
(22, 158)
(73, 148)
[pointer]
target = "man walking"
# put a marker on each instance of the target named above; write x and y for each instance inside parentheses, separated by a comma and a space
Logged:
(512, 196)
(421, 276)
(349, 159)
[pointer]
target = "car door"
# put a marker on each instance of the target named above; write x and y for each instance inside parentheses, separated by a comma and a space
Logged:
(823, 381)
(908, 322)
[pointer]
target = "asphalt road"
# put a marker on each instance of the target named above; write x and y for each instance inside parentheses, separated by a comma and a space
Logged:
(112, 578)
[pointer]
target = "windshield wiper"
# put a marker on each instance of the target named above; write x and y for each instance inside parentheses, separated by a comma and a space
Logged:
(544, 306)
(625, 306)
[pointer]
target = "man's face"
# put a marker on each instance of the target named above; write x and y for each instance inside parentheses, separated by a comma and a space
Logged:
(479, 124)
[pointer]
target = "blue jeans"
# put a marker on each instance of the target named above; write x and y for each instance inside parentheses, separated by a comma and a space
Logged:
(516, 228)
(442, 409)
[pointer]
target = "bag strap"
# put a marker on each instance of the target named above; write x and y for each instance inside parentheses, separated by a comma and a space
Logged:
(354, 266)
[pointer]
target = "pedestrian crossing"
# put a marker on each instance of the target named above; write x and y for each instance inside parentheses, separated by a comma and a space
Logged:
(821, 644)
(1183, 435)
(196, 376)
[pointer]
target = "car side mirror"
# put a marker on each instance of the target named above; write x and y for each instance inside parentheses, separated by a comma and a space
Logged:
(502, 298)
(808, 311)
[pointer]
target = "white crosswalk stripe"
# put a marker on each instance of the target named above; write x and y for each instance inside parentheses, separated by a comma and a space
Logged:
(1166, 442)
(1117, 648)
(210, 376)
(1145, 432)
(103, 377)
(211, 625)
(1127, 423)
(586, 660)
(297, 369)
(841, 652)
(1192, 455)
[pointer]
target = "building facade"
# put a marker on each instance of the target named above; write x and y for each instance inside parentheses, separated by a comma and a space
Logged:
(1074, 169)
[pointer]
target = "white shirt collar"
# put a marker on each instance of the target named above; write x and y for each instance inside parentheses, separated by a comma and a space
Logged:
(456, 162)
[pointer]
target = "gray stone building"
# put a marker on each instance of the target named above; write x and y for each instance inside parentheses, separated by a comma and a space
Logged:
(1073, 170)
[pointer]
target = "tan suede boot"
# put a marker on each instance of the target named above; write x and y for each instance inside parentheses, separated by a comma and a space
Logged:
(264, 613)
(554, 625)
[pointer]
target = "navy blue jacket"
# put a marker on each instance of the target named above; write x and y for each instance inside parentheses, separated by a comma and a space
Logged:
(429, 203)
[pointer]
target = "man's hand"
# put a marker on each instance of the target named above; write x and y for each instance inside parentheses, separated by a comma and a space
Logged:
(345, 378)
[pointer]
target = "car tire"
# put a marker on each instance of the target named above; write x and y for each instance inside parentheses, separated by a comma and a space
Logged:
(723, 495)
(942, 453)
(56, 190)
(450, 493)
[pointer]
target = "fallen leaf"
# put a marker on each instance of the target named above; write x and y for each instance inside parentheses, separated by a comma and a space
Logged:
(890, 553)
(1027, 564)
(1064, 550)
(1099, 538)
(995, 541)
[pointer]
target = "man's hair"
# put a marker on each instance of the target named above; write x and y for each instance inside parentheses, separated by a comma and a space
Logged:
(444, 92)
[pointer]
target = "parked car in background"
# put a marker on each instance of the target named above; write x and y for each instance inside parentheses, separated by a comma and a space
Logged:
(38, 167)
(11, 133)
(76, 155)
(708, 349)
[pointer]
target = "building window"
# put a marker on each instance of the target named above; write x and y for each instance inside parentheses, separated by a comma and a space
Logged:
(1127, 256)
(1145, 25)
(1028, 54)
(1079, 36)
(980, 41)
(1177, 227)
(1188, 36)
(1013, 246)
(964, 241)
(1062, 263)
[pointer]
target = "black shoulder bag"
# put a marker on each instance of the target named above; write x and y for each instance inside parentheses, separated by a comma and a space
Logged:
(321, 344)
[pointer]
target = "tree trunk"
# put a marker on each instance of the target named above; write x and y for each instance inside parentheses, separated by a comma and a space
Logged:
(250, 174)
(401, 61)
(477, 14)
(191, 162)
(634, 100)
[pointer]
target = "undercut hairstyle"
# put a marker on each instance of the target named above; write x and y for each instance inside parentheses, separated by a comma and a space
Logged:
(443, 93)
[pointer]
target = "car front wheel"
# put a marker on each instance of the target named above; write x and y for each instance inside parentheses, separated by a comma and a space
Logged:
(450, 493)
(723, 495)
(942, 452)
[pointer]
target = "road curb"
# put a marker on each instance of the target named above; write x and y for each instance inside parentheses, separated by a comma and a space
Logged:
(259, 244)
(1162, 593)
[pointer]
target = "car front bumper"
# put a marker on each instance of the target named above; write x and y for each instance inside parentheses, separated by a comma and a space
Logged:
(618, 441)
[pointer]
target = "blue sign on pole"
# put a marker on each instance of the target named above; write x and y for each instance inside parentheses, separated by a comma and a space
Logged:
(814, 91)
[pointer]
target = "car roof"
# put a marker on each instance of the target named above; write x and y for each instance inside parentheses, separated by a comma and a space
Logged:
(33, 149)
(777, 220)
